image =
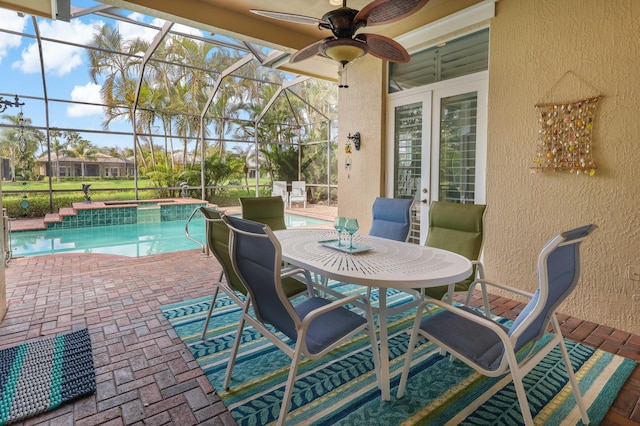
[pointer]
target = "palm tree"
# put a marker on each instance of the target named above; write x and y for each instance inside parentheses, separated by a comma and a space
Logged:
(173, 97)
(319, 108)
(20, 143)
(59, 147)
(118, 60)
(241, 152)
(146, 116)
(187, 124)
(275, 133)
(192, 87)
(81, 148)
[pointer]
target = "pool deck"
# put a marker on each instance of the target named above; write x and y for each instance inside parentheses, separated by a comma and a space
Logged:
(316, 211)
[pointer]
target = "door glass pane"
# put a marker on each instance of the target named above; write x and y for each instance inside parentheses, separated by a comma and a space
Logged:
(458, 148)
(408, 160)
(408, 150)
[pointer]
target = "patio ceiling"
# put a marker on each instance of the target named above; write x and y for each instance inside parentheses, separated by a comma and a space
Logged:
(233, 18)
(55, 9)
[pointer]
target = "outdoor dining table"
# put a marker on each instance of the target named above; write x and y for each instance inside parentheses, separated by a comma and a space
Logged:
(376, 263)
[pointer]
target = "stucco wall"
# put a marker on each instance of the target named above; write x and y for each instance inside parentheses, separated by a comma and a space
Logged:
(533, 44)
(364, 101)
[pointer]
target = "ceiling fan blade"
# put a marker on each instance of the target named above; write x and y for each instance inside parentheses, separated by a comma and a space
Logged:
(307, 52)
(380, 12)
(290, 17)
(385, 48)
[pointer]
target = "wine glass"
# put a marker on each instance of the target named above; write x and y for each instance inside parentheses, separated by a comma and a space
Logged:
(339, 223)
(351, 226)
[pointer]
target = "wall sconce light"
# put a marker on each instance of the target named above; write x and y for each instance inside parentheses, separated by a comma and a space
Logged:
(355, 139)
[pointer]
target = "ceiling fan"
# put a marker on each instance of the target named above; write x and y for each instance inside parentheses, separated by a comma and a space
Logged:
(346, 44)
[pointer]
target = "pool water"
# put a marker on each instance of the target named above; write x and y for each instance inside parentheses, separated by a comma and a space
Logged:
(132, 240)
(296, 220)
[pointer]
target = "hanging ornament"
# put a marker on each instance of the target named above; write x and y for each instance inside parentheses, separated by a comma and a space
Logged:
(342, 74)
(564, 137)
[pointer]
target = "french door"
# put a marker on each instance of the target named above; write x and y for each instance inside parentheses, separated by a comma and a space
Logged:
(436, 145)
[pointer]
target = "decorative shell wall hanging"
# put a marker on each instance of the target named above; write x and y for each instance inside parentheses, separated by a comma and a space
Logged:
(565, 137)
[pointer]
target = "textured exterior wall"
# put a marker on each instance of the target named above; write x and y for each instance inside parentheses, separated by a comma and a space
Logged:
(363, 106)
(533, 44)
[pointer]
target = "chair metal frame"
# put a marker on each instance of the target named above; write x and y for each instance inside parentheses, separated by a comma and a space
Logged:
(305, 315)
(224, 285)
(525, 332)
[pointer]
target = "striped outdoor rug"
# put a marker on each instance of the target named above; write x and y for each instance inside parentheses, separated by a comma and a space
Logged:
(42, 375)
(341, 388)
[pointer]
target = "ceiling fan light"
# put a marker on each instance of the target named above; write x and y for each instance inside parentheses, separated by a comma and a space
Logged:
(344, 50)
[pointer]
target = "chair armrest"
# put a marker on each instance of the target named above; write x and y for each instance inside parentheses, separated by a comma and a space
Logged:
(479, 269)
(335, 304)
(291, 271)
(500, 286)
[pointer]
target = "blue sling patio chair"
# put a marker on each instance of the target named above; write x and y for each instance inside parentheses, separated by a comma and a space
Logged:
(315, 325)
(228, 281)
(493, 349)
(391, 218)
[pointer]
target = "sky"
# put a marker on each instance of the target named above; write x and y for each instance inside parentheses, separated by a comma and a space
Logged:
(66, 70)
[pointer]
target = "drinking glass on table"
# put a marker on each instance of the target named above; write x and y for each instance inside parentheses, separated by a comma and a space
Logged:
(339, 223)
(351, 226)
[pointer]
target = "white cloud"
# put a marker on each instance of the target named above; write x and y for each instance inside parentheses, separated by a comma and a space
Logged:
(183, 29)
(131, 31)
(11, 21)
(90, 92)
(59, 59)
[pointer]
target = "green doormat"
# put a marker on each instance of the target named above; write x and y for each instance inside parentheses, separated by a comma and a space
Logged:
(341, 388)
(42, 375)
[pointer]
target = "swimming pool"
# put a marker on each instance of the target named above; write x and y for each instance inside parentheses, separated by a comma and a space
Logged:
(133, 240)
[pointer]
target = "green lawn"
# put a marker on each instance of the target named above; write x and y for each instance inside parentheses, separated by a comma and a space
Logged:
(43, 185)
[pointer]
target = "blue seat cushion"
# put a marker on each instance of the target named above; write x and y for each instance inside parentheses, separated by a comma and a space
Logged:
(327, 328)
(472, 340)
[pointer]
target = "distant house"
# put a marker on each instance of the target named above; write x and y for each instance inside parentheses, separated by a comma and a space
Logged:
(250, 162)
(101, 165)
(178, 156)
